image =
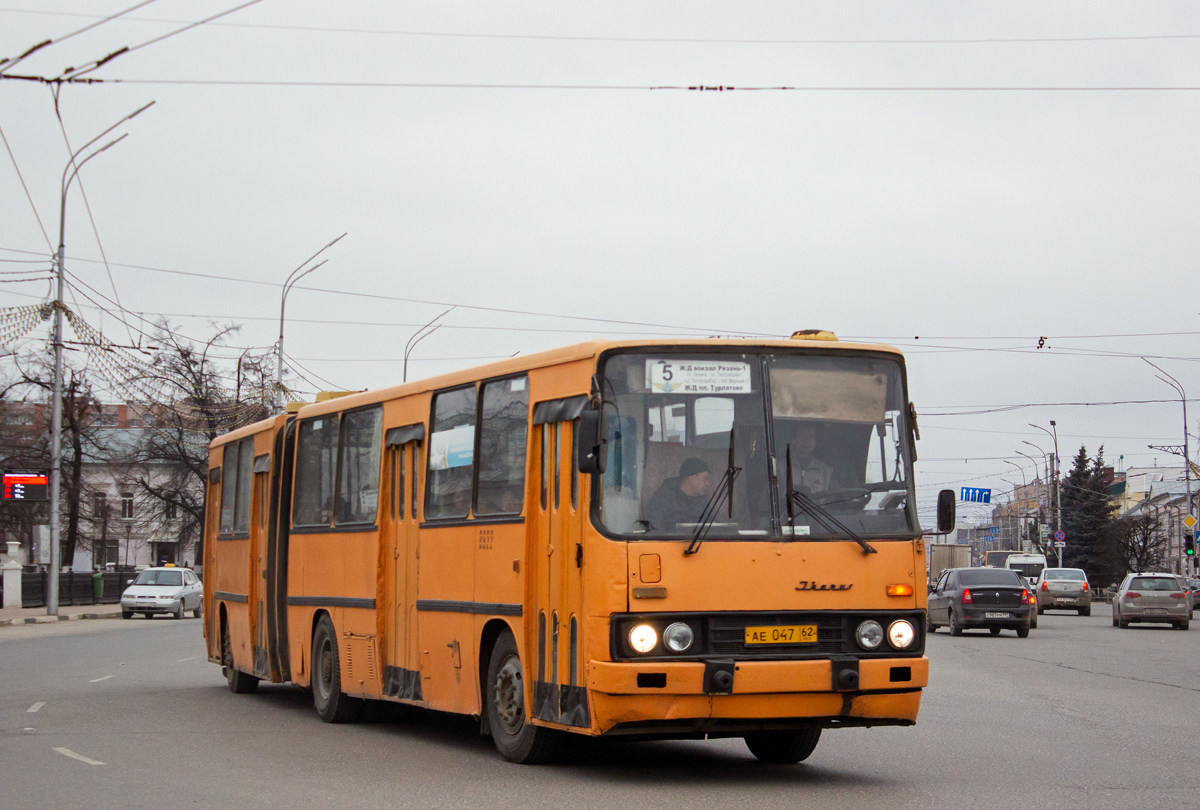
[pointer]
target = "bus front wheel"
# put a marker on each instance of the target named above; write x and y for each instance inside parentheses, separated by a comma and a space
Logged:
(515, 739)
(783, 747)
(334, 705)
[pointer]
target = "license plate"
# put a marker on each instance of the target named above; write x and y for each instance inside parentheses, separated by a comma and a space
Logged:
(995, 615)
(782, 634)
(1155, 610)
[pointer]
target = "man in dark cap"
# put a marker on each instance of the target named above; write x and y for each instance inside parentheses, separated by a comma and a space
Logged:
(680, 499)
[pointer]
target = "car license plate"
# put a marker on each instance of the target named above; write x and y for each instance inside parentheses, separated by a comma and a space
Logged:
(995, 615)
(782, 634)
(1155, 610)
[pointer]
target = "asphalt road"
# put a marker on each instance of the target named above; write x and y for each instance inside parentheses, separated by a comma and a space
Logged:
(1079, 715)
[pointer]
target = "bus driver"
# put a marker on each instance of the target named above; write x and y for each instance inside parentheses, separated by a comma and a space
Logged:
(680, 499)
(808, 471)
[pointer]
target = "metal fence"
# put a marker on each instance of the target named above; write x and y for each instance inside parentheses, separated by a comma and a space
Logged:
(74, 588)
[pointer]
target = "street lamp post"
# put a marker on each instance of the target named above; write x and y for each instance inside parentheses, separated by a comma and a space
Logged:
(56, 404)
(1024, 485)
(1184, 566)
(287, 286)
(1047, 462)
(1055, 473)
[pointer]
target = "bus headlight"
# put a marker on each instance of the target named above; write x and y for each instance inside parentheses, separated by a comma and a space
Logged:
(643, 638)
(869, 635)
(679, 637)
(901, 634)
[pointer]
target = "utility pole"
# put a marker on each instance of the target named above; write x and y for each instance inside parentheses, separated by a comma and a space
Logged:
(1055, 472)
(1184, 565)
(56, 404)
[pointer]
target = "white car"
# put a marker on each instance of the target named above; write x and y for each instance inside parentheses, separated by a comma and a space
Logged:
(163, 590)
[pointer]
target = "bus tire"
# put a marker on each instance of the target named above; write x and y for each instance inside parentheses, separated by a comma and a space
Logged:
(783, 747)
(239, 682)
(332, 704)
(516, 739)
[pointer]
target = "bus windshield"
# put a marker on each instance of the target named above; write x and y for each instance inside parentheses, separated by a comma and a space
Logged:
(755, 446)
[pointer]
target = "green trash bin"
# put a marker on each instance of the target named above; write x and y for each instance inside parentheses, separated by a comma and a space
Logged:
(97, 587)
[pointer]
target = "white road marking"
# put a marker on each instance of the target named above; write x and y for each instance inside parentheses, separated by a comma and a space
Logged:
(181, 660)
(67, 752)
(32, 709)
(97, 680)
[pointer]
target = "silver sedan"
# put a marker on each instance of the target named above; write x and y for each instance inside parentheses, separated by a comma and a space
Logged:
(169, 590)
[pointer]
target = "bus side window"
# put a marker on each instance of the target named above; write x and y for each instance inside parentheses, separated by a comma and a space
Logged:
(451, 455)
(358, 468)
(502, 433)
(574, 468)
(316, 460)
(413, 485)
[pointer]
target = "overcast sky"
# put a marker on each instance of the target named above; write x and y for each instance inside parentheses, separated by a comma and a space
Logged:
(979, 220)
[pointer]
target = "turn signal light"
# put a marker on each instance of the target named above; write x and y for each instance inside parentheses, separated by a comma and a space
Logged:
(900, 590)
(967, 600)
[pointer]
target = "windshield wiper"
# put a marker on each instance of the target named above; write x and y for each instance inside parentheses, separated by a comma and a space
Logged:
(822, 515)
(722, 495)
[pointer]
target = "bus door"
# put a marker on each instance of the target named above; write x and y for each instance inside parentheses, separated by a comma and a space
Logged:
(558, 691)
(261, 501)
(401, 677)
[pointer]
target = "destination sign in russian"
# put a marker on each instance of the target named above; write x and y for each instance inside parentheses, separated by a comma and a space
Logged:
(26, 485)
(697, 377)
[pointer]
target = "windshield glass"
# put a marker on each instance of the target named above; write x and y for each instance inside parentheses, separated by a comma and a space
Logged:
(159, 578)
(989, 576)
(1074, 574)
(690, 431)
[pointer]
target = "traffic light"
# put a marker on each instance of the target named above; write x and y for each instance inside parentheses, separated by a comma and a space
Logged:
(1189, 546)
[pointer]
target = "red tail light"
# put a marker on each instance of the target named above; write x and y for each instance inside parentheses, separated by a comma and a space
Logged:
(1024, 595)
(1032, 598)
(966, 599)
(1179, 595)
(1132, 595)
(1045, 585)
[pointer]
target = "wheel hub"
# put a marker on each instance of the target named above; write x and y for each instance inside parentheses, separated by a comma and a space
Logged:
(325, 670)
(510, 695)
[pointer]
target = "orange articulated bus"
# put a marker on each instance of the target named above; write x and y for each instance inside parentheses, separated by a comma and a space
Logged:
(686, 539)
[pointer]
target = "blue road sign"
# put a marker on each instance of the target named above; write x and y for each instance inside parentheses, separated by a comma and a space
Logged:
(975, 495)
(1060, 535)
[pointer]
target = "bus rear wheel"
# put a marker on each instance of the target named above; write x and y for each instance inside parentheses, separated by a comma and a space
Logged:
(334, 705)
(783, 747)
(239, 682)
(515, 739)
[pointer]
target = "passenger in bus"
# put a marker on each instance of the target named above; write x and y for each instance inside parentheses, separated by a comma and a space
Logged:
(681, 499)
(808, 472)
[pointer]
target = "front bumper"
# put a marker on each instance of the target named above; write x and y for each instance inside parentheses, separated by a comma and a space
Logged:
(764, 694)
(132, 606)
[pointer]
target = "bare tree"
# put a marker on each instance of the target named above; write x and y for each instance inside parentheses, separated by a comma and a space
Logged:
(196, 399)
(1140, 545)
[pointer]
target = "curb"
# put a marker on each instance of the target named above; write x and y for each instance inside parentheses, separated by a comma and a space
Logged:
(70, 617)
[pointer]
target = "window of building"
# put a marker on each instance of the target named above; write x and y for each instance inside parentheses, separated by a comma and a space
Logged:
(451, 454)
(358, 485)
(99, 505)
(316, 464)
(126, 506)
(502, 431)
(106, 419)
(170, 511)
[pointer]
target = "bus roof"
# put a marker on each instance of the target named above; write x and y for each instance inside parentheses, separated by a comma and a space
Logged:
(563, 354)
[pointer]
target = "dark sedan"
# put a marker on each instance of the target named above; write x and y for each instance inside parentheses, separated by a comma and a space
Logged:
(995, 598)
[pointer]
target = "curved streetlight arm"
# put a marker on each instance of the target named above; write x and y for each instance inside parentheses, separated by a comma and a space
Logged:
(83, 148)
(420, 335)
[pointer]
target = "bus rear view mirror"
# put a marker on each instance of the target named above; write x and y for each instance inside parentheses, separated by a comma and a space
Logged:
(591, 441)
(946, 505)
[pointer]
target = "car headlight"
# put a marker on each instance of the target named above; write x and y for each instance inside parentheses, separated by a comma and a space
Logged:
(643, 638)
(901, 634)
(679, 637)
(869, 634)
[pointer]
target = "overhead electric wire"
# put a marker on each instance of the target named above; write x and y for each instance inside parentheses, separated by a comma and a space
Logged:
(73, 73)
(649, 40)
(29, 197)
(313, 373)
(7, 63)
(381, 297)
